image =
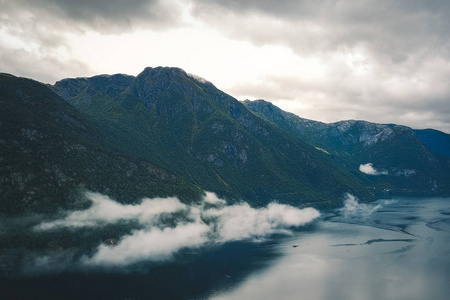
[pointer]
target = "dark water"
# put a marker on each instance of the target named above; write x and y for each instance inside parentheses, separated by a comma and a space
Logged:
(397, 249)
(388, 250)
(191, 276)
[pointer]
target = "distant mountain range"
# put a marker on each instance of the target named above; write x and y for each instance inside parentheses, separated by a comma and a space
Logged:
(169, 133)
(405, 161)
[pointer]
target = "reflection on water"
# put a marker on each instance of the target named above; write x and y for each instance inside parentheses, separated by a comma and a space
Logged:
(392, 250)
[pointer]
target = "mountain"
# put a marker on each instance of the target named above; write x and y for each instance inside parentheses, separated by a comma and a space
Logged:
(49, 151)
(200, 133)
(436, 141)
(406, 161)
(168, 133)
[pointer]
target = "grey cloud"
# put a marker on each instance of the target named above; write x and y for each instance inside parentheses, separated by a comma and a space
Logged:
(282, 8)
(88, 10)
(103, 16)
(46, 24)
(48, 68)
(405, 42)
(390, 29)
(412, 95)
(38, 32)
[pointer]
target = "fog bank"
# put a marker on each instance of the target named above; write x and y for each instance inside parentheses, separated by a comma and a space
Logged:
(164, 226)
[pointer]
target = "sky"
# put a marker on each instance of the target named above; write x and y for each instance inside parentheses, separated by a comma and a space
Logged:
(328, 60)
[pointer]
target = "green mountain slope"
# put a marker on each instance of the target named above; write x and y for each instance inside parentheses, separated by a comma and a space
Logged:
(49, 151)
(188, 126)
(405, 165)
(165, 133)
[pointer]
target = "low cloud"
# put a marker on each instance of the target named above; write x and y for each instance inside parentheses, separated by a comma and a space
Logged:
(106, 211)
(241, 221)
(150, 244)
(370, 170)
(354, 210)
(165, 226)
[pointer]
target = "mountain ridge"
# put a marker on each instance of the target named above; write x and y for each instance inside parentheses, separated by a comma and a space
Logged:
(207, 125)
(50, 152)
(395, 148)
(181, 136)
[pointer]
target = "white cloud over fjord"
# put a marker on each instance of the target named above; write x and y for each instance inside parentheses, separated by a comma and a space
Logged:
(152, 244)
(237, 222)
(370, 170)
(166, 226)
(106, 211)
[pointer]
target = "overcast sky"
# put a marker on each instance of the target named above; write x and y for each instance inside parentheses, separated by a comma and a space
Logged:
(377, 60)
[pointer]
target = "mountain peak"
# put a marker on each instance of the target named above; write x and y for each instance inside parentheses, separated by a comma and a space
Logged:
(162, 71)
(171, 73)
(151, 80)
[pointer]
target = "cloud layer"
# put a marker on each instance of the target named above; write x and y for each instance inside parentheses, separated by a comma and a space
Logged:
(166, 226)
(391, 56)
(324, 60)
(106, 211)
(152, 244)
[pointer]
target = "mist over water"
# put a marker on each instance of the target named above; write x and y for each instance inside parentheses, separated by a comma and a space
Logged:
(165, 249)
(354, 210)
(155, 230)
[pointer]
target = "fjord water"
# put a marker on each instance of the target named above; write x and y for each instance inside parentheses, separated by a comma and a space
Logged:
(389, 249)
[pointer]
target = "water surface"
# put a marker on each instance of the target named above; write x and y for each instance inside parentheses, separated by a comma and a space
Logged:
(389, 249)
(396, 249)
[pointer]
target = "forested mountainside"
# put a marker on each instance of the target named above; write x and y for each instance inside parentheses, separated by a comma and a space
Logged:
(168, 133)
(405, 161)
